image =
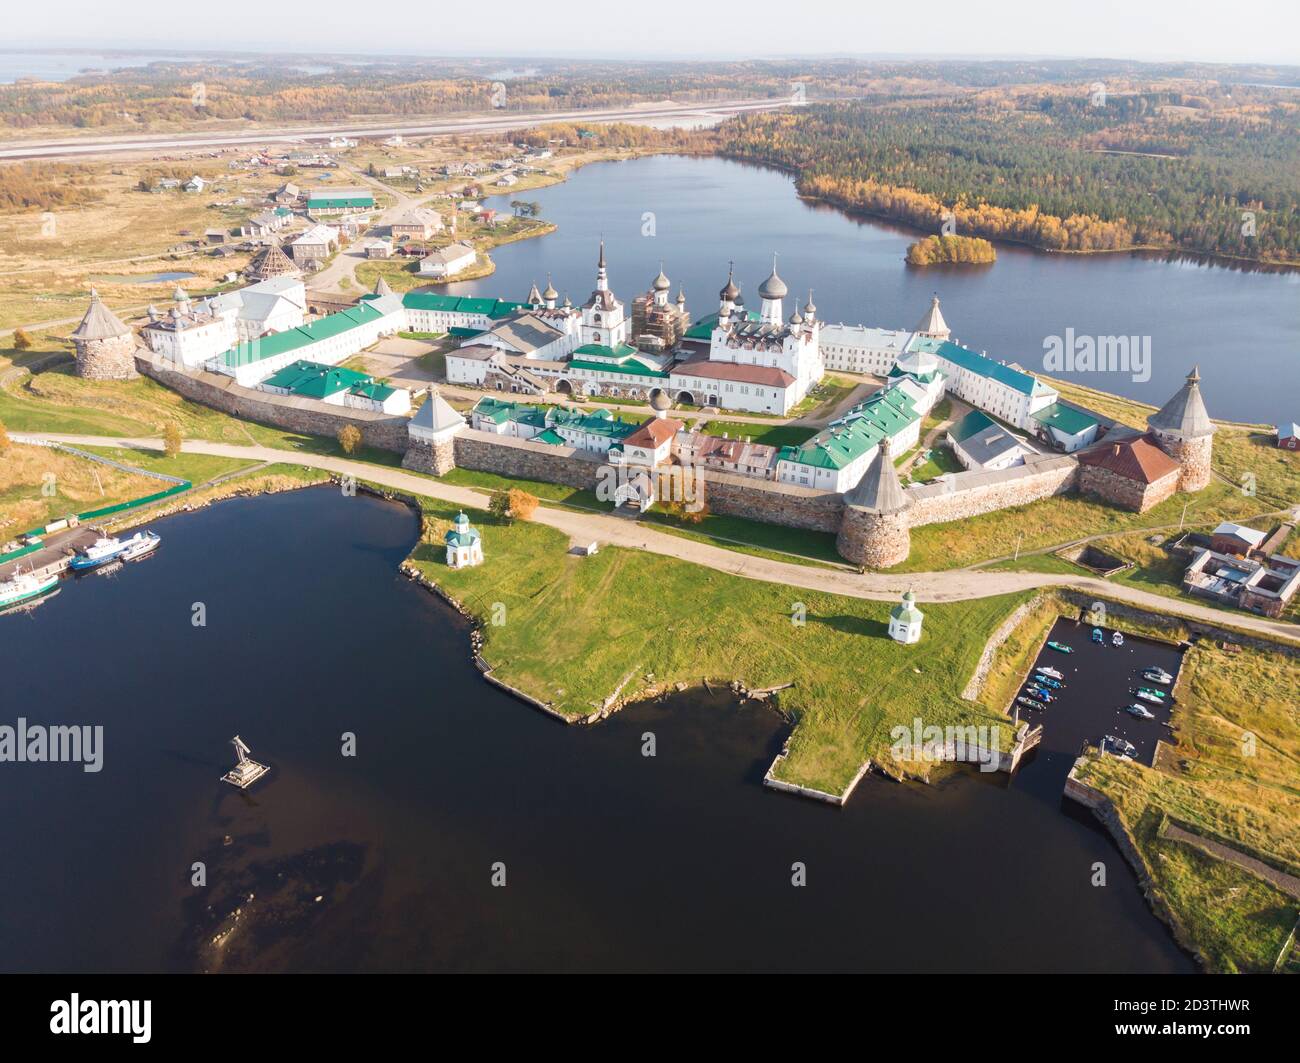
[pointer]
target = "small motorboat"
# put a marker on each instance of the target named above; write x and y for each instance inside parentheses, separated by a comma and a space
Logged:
(1140, 711)
(1116, 638)
(1161, 694)
(1158, 675)
(1145, 696)
(1041, 695)
(1117, 746)
(1061, 647)
(1028, 703)
(139, 545)
(1098, 636)
(1044, 681)
(100, 552)
(1050, 671)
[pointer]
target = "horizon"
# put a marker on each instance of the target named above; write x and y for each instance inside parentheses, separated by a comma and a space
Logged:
(1161, 32)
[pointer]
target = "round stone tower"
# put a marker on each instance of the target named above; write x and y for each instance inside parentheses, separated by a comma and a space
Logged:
(105, 346)
(875, 530)
(1182, 429)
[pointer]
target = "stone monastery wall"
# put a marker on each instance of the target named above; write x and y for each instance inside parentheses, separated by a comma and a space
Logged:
(724, 493)
(971, 493)
(307, 416)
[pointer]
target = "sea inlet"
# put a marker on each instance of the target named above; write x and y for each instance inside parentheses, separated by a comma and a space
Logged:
(386, 860)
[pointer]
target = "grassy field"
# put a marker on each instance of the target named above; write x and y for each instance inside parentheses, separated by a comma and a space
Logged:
(776, 435)
(1234, 777)
(753, 536)
(197, 468)
(39, 485)
(941, 460)
(1061, 519)
(576, 628)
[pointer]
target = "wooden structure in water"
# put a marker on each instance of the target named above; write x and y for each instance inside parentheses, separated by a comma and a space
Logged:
(246, 771)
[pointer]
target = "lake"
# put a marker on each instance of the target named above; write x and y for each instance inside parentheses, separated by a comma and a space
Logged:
(696, 214)
(383, 860)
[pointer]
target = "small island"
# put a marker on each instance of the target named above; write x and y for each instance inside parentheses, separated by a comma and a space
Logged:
(951, 251)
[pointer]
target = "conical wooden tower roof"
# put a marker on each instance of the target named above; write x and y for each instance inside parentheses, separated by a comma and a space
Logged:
(100, 323)
(1185, 413)
(879, 489)
(270, 262)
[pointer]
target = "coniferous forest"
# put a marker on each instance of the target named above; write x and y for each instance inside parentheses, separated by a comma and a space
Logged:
(1061, 169)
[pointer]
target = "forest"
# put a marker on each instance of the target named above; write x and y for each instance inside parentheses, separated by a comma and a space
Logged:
(1214, 172)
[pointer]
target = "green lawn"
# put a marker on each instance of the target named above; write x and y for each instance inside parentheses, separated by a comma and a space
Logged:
(577, 627)
(737, 533)
(197, 468)
(776, 435)
(941, 460)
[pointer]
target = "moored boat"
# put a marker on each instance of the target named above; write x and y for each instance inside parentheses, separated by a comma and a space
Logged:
(1117, 745)
(1145, 696)
(1117, 638)
(1061, 647)
(1045, 681)
(100, 552)
(1161, 694)
(25, 587)
(1028, 703)
(140, 544)
(1158, 675)
(1050, 671)
(1098, 635)
(1140, 711)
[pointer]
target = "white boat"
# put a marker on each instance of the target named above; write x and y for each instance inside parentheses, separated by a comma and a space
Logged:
(25, 586)
(1154, 698)
(100, 552)
(140, 544)
(1050, 671)
(1140, 711)
(1116, 639)
(1158, 675)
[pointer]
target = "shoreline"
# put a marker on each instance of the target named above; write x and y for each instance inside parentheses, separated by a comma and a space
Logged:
(1151, 251)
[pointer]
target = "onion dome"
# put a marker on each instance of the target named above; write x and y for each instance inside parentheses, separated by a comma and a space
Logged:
(661, 283)
(729, 290)
(180, 295)
(808, 308)
(739, 300)
(681, 296)
(660, 401)
(774, 287)
(550, 294)
(796, 318)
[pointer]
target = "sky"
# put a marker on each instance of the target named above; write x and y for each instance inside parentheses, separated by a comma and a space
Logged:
(1209, 30)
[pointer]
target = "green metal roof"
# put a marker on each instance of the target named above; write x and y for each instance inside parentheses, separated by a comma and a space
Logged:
(886, 413)
(499, 411)
(631, 366)
(461, 332)
(551, 436)
(598, 422)
(703, 329)
(984, 366)
(304, 336)
(973, 423)
(320, 199)
(374, 390)
(460, 304)
(1065, 419)
(599, 350)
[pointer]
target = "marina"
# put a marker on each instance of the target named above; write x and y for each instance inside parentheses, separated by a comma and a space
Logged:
(1096, 691)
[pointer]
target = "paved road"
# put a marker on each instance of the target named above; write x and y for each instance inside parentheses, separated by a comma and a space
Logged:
(500, 122)
(956, 585)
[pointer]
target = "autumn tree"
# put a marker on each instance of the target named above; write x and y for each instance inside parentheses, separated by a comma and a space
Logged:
(349, 438)
(521, 504)
(4, 438)
(499, 506)
(22, 341)
(171, 439)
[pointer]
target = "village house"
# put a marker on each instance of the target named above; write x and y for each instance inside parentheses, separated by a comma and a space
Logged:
(311, 250)
(418, 224)
(339, 200)
(448, 261)
(1288, 436)
(1261, 585)
(1229, 538)
(737, 456)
